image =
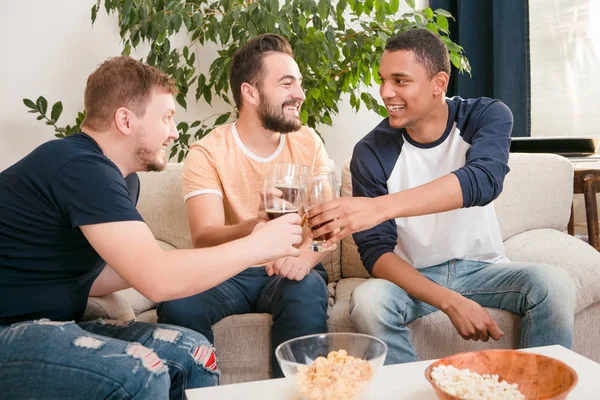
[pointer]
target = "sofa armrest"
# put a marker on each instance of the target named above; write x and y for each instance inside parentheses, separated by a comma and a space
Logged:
(549, 246)
(111, 306)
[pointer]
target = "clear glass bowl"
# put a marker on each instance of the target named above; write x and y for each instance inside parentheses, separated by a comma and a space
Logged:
(331, 380)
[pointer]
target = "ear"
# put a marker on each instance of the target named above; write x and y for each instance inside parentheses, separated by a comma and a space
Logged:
(440, 83)
(250, 94)
(124, 120)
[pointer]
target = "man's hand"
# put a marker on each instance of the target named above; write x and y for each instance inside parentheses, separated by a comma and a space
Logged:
(277, 238)
(292, 268)
(473, 322)
(352, 214)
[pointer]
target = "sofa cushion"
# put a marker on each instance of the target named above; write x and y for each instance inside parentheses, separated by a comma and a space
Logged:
(111, 306)
(332, 265)
(537, 193)
(352, 266)
(162, 207)
(578, 258)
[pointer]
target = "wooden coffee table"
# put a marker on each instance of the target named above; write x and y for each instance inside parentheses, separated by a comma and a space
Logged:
(401, 381)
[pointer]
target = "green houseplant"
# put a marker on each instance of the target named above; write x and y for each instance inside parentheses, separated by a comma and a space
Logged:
(336, 44)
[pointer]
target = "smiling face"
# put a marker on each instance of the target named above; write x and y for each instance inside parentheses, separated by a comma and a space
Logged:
(281, 94)
(407, 90)
(155, 131)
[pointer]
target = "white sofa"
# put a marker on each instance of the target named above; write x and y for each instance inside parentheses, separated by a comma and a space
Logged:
(533, 211)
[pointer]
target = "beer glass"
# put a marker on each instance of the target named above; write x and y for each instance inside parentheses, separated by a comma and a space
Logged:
(290, 199)
(319, 189)
(290, 169)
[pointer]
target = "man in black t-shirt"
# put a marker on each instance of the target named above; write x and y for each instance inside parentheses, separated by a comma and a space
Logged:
(65, 211)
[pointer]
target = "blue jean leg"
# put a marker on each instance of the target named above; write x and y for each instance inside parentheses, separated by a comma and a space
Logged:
(544, 295)
(298, 308)
(190, 358)
(200, 312)
(381, 308)
(59, 360)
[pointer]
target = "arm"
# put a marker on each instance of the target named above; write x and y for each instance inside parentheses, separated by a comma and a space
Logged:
(206, 218)
(108, 282)
(477, 183)
(470, 319)
(130, 248)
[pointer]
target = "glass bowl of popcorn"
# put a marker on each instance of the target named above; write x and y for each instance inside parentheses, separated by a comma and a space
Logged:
(501, 374)
(331, 366)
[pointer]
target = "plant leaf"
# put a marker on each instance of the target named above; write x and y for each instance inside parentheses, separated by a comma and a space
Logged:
(42, 104)
(57, 109)
(222, 119)
(30, 104)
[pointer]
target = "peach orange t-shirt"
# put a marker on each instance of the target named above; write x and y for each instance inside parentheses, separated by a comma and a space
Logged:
(220, 164)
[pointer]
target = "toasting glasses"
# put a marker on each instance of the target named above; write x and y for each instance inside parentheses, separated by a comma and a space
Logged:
(290, 200)
(319, 188)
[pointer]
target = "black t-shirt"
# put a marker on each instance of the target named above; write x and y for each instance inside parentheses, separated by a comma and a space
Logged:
(47, 266)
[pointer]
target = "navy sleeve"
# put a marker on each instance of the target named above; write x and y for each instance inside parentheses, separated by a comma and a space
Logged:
(486, 165)
(91, 190)
(369, 180)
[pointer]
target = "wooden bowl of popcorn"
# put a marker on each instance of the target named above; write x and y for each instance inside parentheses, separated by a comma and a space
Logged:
(501, 374)
(331, 366)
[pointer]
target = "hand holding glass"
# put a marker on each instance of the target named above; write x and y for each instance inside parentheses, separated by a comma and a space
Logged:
(320, 189)
(281, 195)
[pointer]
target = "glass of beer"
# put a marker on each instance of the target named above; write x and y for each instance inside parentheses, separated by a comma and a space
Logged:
(319, 188)
(290, 169)
(285, 199)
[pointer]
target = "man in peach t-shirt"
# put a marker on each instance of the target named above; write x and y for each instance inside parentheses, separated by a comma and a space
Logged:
(222, 180)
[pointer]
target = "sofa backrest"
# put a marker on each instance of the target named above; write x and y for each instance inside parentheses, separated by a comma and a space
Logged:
(538, 192)
(162, 207)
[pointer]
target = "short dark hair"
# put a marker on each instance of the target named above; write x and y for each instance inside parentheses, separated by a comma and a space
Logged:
(121, 82)
(428, 48)
(247, 65)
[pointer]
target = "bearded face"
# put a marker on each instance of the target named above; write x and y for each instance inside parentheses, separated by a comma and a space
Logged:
(279, 117)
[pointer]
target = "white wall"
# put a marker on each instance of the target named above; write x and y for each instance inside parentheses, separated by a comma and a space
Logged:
(53, 48)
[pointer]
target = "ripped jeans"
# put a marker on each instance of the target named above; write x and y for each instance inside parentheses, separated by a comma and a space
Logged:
(103, 359)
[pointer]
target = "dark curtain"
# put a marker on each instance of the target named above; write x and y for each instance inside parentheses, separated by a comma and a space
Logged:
(495, 38)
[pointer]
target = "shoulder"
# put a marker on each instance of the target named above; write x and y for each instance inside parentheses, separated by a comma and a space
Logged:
(378, 150)
(215, 144)
(474, 111)
(305, 135)
(382, 142)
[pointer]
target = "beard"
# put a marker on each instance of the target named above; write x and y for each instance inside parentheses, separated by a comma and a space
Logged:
(149, 161)
(273, 117)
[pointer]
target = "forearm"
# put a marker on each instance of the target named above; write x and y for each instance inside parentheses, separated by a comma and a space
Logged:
(108, 282)
(394, 269)
(443, 194)
(215, 235)
(182, 273)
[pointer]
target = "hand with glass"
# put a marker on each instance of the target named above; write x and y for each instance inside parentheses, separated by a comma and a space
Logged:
(281, 195)
(319, 189)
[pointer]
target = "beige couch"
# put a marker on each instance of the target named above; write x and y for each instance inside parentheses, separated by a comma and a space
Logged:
(533, 211)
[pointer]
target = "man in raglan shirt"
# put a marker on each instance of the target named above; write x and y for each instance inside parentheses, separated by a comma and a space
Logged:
(424, 180)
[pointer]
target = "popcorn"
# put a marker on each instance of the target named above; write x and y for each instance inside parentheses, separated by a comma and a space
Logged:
(469, 385)
(337, 377)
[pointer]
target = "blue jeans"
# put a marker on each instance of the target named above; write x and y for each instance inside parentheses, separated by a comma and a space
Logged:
(102, 360)
(298, 307)
(543, 295)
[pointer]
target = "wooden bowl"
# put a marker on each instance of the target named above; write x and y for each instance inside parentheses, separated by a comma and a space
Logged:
(538, 376)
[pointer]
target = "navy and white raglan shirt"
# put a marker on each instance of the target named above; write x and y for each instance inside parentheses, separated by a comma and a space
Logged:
(47, 266)
(475, 147)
